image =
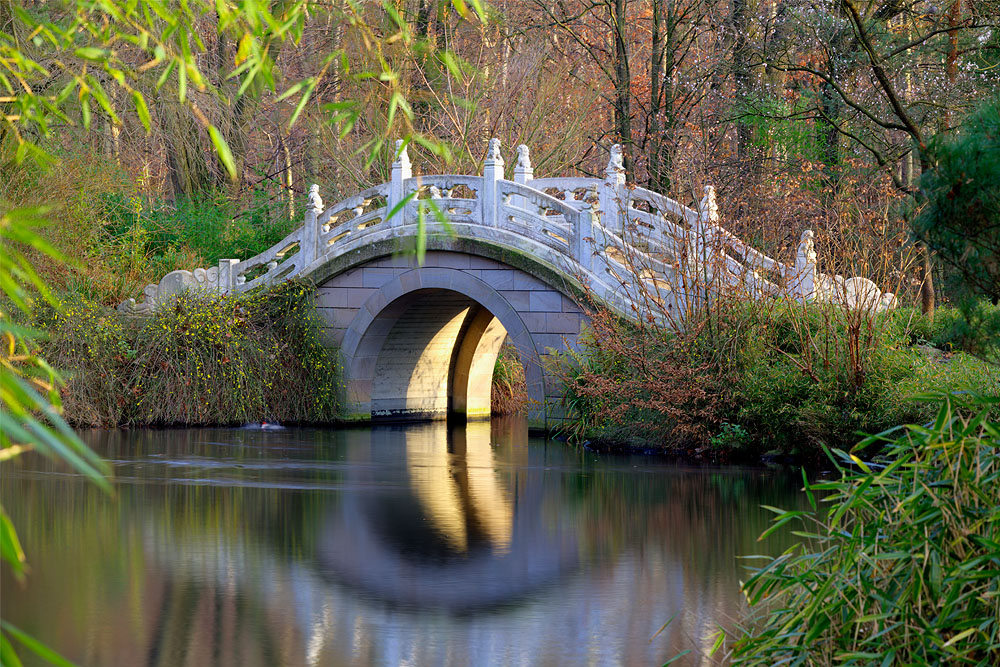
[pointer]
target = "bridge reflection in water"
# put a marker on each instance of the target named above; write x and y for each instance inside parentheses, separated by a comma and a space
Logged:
(394, 545)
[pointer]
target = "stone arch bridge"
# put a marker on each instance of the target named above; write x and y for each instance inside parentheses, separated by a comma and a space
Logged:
(419, 332)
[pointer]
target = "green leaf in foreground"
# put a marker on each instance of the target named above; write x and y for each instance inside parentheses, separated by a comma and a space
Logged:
(903, 566)
(35, 646)
(222, 150)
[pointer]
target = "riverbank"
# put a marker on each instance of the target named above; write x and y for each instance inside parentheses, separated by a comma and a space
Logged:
(759, 382)
(749, 385)
(204, 360)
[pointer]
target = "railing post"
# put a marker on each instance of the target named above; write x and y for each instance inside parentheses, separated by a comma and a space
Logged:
(227, 280)
(309, 241)
(400, 173)
(523, 174)
(700, 248)
(583, 237)
(803, 282)
(611, 193)
(492, 172)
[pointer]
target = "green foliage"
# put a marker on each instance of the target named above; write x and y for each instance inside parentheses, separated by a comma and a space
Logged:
(959, 204)
(508, 393)
(208, 224)
(30, 406)
(790, 377)
(730, 437)
(808, 377)
(204, 359)
(972, 327)
(901, 567)
(780, 126)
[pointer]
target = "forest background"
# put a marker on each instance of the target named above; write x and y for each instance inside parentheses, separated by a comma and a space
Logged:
(819, 115)
(169, 135)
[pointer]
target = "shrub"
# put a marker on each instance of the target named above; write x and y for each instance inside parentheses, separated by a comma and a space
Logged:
(793, 377)
(902, 566)
(508, 394)
(632, 380)
(203, 359)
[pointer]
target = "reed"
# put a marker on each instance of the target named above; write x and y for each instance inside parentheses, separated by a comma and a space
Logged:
(899, 566)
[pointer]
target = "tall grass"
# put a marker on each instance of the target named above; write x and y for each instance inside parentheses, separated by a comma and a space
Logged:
(203, 359)
(901, 568)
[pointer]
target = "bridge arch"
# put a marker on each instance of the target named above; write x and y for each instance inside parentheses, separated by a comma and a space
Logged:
(424, 342)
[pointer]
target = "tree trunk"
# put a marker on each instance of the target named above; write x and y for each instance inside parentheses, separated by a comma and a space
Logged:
(662, 95)
(623, 82)
(741, 81)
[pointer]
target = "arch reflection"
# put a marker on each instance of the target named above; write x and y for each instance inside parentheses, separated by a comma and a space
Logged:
(453, 532)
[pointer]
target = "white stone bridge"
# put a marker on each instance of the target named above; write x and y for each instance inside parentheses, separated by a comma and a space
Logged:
(505, 260)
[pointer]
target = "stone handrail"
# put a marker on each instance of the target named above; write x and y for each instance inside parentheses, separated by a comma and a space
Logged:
(617, 240)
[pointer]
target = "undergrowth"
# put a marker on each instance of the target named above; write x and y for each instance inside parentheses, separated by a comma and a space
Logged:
(202, 359)
(509, 392)
(746, 380)
(117, 238)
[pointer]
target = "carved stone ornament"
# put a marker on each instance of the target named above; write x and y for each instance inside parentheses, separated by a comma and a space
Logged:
(172, 284)
(616, 162)
(493, 152)
(806, 255)
(402, 157)
(709, 208)
(315, 201)
(523, 157)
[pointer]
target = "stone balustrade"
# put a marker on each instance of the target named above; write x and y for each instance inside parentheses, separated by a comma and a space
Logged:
(624, 244)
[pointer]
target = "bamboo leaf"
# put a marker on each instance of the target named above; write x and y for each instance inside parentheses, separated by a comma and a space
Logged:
(10, 545)
(35, 646)
(222, 150)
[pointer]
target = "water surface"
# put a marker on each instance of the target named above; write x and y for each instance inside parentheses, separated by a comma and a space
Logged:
(416, 545)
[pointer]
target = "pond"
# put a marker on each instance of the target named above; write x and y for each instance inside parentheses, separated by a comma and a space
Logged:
(425, 544)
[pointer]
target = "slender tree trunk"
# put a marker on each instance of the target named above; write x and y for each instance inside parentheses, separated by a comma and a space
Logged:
(742, 79)
(655, 99)
(662, 95)
(623, 82)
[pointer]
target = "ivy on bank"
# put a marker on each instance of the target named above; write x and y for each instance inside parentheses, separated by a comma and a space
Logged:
(204, 359)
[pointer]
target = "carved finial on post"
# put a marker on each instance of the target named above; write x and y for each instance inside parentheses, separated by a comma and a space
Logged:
(523, 174)
(612, 195)
(227, 280)
(805, 279)
(493, 151)
(315, 201)
(311, 232)
(402, 157)
(616, 164)
(806, 254)
(709, 208)
(523, 158)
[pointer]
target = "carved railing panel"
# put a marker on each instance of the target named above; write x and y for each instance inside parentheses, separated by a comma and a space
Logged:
(278, 262)
(353, 215)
